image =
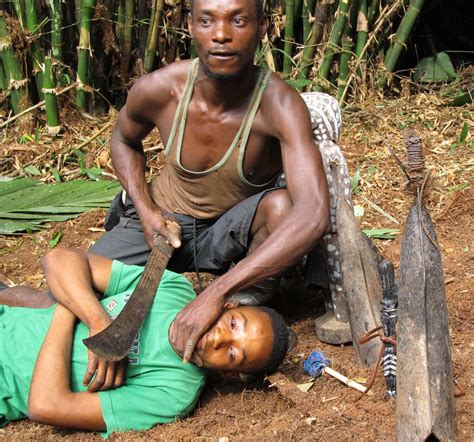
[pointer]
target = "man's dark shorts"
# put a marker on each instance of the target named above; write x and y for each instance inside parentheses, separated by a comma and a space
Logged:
(216, 244)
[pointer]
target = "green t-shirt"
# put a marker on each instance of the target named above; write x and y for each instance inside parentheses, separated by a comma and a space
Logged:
(158, 388)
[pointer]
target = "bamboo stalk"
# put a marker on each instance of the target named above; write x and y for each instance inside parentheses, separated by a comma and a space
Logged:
(69, 32)
(20, 13)
(142, 26)
(32, 108)
(16, 83)
(153, 33)
(333, 42)
(314, 38)
(36, 51)
(307, 7)
(3, 78)
(127, 38)
(362, 32)
(85, 51)
(386, 14)
(56, 29)
(298, 7)
(78, 4)
(289, 34)
(401, 36)
(346, 55)
(50, 100)
(372, 11)
(120, 19)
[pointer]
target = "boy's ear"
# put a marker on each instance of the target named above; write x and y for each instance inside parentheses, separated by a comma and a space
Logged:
(247, 378)
(292, 339)
(230, 304)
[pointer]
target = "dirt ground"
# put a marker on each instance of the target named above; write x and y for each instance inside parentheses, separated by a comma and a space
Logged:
(232, 410)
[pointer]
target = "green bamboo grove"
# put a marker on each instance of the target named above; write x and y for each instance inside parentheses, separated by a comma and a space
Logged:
(97, 48)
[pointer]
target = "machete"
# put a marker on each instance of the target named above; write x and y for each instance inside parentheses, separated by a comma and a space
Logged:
(114, 342)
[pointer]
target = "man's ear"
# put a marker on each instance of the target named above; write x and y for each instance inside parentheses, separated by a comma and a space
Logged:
(262, 28)
(190, 25)
(230, 304)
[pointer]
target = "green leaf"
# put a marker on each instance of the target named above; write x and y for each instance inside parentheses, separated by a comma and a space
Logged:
(26, 204)
(435, 69)
(461, 186)
(462, 99)
(55, 239)
(298, 84)
(32, 170)
(12, 185)
(7, 226)
(65, 78)
(24, 139)
(81, 159)
(453, 147)
(381, 233)
(355, 181)
(56, 175)
(464, 133)
(94, 173)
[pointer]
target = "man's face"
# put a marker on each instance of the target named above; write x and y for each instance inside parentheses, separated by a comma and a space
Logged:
(241, 340)
(226, 34)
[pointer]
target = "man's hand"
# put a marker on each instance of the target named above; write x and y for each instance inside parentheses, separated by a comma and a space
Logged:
(154, 223)
(193, 321)
(101, 374)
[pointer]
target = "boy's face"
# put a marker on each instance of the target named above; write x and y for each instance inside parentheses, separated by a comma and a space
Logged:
(226, 34)
(241, 340)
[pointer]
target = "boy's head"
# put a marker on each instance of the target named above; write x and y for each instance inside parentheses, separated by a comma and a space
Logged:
(245, 340)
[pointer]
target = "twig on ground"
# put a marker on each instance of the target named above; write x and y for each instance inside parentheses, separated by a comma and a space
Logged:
(379, 209)
(102, 130)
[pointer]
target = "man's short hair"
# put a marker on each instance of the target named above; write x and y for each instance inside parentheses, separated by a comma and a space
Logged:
(258, 7)
(281, 340)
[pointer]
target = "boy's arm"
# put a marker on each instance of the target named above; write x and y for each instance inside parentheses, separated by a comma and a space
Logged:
(51, 400)
(74, 278)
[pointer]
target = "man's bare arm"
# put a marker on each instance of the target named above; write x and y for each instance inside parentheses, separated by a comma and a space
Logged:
(306, 182)
(77, 290)
(51, 400)
(146, 98)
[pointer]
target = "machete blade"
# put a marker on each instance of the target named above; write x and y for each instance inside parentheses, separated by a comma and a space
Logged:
(114, 342)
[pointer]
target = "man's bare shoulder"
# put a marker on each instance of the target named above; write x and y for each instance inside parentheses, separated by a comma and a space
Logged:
(282, 106)
(159, 87)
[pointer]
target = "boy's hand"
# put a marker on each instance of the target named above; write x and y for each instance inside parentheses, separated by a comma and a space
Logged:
(101, 374)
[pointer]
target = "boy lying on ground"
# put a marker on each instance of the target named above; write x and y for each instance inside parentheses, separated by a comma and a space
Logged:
(43, 358)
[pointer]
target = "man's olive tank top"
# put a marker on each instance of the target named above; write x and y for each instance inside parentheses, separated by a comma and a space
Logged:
(207, 194)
